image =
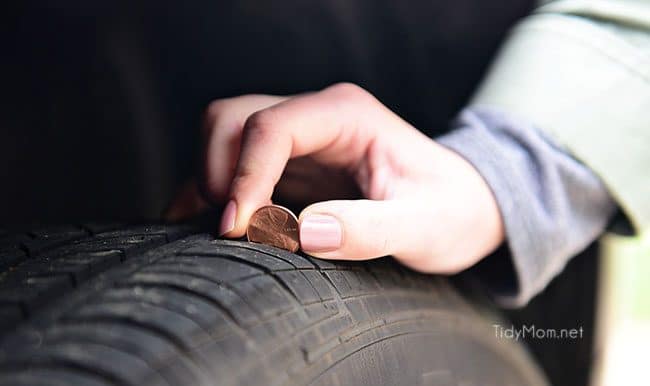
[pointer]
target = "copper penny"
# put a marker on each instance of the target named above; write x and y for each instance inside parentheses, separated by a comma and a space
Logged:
(274, 225)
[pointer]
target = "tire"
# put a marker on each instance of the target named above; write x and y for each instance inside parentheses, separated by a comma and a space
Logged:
(163, 305)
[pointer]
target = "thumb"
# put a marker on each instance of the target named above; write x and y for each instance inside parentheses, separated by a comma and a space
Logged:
(408, 229)
(355, 230)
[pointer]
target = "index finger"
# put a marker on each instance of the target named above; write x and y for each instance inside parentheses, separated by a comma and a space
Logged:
(323, 125)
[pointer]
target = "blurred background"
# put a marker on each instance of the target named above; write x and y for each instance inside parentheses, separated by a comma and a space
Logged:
(101, 103)
(624, 314)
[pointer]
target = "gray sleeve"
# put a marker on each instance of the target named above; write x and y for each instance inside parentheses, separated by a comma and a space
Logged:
(552, 205)
(580, 70)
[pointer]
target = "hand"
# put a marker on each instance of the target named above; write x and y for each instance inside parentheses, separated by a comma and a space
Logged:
(424, 204)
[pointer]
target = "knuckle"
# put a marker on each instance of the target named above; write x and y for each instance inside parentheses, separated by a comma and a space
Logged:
(261, 124)
(215, 109)
(213, 114)
(262, 120)
(243, 174)
(348, 90)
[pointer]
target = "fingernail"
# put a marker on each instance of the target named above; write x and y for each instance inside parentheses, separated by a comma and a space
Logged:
(228, 218)
(320, 233)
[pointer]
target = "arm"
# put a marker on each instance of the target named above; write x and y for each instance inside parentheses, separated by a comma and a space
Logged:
(552, 205)
(580, 70)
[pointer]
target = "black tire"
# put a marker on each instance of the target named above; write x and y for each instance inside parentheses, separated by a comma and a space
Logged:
(160, 305)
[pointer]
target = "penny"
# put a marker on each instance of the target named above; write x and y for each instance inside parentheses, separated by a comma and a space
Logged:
(274, 225)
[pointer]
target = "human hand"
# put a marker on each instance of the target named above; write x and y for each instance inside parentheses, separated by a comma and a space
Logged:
(424, 204)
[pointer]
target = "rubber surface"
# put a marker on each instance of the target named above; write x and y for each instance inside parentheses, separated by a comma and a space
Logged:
(160, 305)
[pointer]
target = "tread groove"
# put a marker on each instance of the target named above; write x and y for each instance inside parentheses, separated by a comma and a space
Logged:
(161, 333)
(67, 364)
(175, 341)
(187, 291)
(197, 276)
(80, 340)
(224, 312)
(260, 267)
(140, 281)
(235, 259)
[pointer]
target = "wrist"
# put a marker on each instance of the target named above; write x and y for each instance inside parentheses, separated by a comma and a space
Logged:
(476, 206)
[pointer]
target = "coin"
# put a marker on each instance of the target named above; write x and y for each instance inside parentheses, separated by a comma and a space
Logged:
(274, 225)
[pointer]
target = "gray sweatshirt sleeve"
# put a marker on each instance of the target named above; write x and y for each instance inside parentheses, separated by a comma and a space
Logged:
(552, 205)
